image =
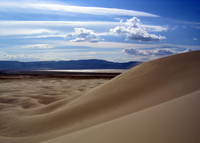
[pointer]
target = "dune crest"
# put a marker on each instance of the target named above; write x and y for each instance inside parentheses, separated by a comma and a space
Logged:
(127, 97)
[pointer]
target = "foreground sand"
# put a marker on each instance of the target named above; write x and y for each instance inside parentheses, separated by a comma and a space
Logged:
(155, 102)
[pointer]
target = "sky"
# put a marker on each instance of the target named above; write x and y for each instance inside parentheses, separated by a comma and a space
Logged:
(118, 31)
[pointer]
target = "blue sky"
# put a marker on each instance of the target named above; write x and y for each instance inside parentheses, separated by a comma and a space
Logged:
(120, 31)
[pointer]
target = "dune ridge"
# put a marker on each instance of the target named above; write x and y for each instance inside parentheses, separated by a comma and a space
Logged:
(156, 87)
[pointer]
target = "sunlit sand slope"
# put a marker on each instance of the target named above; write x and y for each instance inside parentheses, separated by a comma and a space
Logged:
(147, 102)
(173, 121)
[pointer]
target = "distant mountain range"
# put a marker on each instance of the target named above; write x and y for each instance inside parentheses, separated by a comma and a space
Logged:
(64, 65)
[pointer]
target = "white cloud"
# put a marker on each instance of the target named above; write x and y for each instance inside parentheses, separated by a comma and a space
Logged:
(179, 46)
(188, 50)
(71, 24)
(42, 43)
(20, 57)
(40, 46)
(62, 43)
(156, 52)
(152, 54)
(195, 38)
(133, 22)
(154, 28)
(52, 55)
(56, 23)
(49, 56)
(83, 35)
(43, 29)
(4, 56)
(144, 58)
(119, 31)
(135, 31)
(43, 7)
(13, 32)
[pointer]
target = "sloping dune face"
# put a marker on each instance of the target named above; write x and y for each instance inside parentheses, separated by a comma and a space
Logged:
(155, 87)
(173, 121)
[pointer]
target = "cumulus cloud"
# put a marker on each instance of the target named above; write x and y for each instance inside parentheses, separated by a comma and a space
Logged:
(188, 50)
(4, 56)
(156, 52)
(83, 35)
(21, 57)
(133, 22)
(135, 31)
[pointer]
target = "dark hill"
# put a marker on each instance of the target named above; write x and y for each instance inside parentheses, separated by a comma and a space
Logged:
(73, 64)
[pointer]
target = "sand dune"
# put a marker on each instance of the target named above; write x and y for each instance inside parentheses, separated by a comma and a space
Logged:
(173, 121)
(157, 101)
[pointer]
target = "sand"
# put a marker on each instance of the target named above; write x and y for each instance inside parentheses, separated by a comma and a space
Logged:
(157, 101)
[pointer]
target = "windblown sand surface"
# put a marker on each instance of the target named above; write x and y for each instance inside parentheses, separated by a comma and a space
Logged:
(155, 102)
